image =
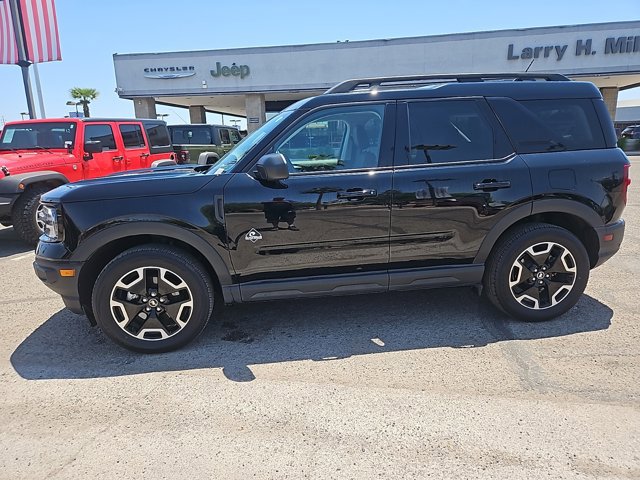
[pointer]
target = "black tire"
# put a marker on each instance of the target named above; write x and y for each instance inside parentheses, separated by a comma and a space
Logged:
(137, 266)
(530, 284)
(24, 214)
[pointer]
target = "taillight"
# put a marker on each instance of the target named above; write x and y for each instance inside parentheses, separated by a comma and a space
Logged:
(184, 155)
(626, 181)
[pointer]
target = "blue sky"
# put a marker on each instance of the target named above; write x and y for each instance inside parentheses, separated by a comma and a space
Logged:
(91, 31)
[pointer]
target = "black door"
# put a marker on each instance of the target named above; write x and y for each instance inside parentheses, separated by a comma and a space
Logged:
(331, 217)
(455, 177)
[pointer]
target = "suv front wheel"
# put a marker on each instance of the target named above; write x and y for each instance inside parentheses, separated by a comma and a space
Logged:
(153, 298)
(537, 272)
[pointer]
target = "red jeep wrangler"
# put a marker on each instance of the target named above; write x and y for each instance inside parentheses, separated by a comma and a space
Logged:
(39, 155)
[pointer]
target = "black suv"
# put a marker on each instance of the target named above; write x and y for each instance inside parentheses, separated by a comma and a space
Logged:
(511, 182)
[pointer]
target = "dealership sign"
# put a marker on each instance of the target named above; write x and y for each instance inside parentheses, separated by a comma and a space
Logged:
(169, 72)
(233, 70)
(612, 45)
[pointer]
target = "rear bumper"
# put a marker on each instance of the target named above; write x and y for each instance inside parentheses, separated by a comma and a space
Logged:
(610, 237)
(67, 287)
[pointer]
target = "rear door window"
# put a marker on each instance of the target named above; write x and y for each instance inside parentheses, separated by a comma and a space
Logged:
(132, 136)
(157, 134)
(448, 131)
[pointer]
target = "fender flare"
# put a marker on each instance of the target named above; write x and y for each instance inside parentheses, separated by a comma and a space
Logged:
(571, 207)
(99, 237)
(11, 183)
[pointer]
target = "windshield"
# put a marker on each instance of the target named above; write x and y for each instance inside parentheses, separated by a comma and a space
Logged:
(238, 152)
(41, 135)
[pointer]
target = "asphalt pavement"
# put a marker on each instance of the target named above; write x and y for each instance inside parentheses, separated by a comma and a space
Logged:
(426, 384)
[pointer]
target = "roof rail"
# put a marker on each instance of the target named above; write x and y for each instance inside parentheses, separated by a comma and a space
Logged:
(422, 80)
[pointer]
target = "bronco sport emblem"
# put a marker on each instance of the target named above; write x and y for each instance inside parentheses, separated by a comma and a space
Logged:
(253, 235)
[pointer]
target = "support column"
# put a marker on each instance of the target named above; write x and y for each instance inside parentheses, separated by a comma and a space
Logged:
(145, 107)
(256, 113)
(610, 96)
(197, 114)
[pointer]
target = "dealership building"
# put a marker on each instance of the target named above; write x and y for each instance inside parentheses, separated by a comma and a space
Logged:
(250, 82)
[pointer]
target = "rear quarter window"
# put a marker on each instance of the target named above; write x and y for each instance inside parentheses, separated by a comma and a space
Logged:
(157, 134)
(537, 126)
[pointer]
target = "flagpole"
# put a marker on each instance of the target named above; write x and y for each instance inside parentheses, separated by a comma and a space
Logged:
(36, 76)
(23, 59)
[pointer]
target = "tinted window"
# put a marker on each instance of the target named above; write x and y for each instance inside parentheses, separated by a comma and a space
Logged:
(191, 135)
(448, 131)
(335, 139)
(132, 136)
(224, 136)
(235, 136)
(550, 125)
(157, 134)
(102, 133)
(38, 135)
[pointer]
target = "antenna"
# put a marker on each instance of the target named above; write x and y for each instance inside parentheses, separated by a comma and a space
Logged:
(532, 60)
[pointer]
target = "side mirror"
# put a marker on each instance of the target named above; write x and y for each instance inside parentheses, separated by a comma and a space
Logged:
(91, 147)
(272, 168)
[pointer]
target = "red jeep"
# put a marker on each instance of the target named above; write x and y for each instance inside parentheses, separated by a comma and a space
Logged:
(39, 155)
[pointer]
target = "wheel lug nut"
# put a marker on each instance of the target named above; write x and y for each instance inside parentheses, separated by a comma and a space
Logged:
(158, 309)
(547, 275)
(540, 282)
(148, 309)
(163, 299)
(145, 299)
(154, 294)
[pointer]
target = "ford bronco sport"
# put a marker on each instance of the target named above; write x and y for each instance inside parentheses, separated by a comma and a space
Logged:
(39, 155)
(512, 182)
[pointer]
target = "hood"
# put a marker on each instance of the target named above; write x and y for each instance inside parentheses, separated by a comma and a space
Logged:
(173, 180)
(29, 160)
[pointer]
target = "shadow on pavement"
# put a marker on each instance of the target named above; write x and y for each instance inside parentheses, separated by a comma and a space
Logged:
(10, 244)
(65, 346)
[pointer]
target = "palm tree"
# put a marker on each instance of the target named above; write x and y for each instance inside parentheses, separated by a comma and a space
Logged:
(84, 96)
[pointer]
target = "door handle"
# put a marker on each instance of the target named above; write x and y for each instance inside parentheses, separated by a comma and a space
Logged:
(144, 155)
(118, 158)
(357, 193)
(491, 185)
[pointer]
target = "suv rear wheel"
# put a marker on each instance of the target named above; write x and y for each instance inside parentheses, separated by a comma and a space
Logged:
(153, 298)
(537, 272)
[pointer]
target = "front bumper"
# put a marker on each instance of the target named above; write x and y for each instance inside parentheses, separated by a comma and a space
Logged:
(48, 270)
(610, 237)
(6, 204)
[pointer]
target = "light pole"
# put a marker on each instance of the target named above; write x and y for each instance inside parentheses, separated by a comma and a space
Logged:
(71, 104)
(235, 122)
(22, 114)
(162, 116)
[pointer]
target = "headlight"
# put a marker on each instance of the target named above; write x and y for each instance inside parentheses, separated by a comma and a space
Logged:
(49, 220)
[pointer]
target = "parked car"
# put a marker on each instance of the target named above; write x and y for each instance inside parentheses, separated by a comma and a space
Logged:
(202, 143)
(632, 131)
(39, 155)
(510, 182)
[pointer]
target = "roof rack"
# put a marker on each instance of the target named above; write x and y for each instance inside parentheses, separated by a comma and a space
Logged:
(408, 81)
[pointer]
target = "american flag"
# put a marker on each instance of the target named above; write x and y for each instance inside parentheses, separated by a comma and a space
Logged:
(40, 28)
(8, 48)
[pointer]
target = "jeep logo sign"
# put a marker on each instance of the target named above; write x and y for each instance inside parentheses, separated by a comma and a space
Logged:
(234, 70)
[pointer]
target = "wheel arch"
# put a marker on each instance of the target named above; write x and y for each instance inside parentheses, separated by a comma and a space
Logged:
(99, 250)
(23, 181)
(574, 216)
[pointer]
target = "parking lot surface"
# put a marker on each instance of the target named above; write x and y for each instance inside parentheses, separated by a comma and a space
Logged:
(425, 384)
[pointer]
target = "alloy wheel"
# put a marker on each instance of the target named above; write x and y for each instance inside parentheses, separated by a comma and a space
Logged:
(151, 303)
(542, 275)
